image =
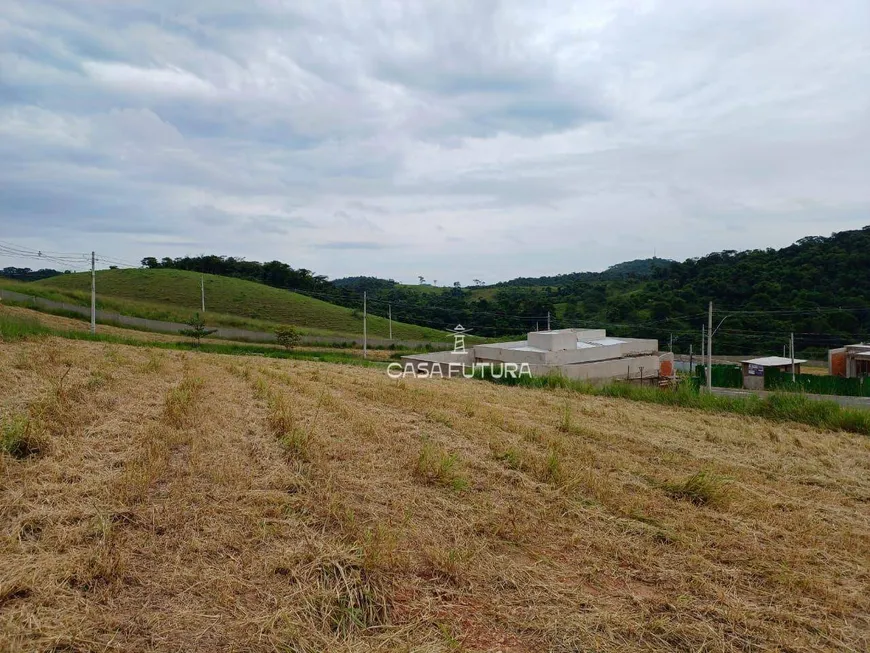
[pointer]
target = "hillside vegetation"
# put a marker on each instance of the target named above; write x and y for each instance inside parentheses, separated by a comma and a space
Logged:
(817, 288)
(169, 501)
(175, 294)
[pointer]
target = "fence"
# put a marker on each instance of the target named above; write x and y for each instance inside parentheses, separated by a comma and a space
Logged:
(228, 333)
(724, 376)
(775, 379)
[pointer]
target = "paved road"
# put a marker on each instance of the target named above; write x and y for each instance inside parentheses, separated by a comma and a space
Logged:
(849, 402)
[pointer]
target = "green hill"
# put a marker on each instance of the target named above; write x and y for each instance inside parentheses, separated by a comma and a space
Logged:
(166, 294)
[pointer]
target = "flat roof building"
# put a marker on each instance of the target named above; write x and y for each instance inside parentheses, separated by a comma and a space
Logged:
(587, 354)
(753, 369)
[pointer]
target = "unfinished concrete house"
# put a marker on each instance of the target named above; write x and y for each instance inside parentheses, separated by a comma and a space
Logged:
(851, 361)
(587, 354)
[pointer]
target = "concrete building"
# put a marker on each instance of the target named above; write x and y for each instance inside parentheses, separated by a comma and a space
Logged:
(851, 361)
(753, 369)
(587, 354)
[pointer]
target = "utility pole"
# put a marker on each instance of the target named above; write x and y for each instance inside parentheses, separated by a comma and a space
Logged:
(710, 349)
(703, 345)
(691, 357)
(93, 292)
(365, 330)
(791, 340)
(672, 343)
(390, 313)
(202, 291)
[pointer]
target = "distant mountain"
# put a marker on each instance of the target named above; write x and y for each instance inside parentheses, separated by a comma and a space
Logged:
(358, 284)
(639, 268)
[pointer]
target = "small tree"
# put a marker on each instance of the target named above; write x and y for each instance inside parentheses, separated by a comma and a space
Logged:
(197, 329)
(287, 336)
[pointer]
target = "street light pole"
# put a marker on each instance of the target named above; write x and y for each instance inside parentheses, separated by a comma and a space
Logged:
(710, 349)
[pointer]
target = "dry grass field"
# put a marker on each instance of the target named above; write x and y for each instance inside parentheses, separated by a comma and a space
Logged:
(169, 501)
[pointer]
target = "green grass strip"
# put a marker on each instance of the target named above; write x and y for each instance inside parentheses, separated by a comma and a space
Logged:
(780, 407)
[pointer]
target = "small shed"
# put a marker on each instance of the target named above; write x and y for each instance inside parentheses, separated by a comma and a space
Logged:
(753, 369)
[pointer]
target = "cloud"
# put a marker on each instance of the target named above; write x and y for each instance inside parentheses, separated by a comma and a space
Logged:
(508, 138)
(352, 244)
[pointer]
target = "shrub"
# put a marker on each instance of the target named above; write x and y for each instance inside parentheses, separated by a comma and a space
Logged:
(287, 336)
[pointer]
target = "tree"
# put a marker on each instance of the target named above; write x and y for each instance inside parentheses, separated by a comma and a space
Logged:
(150, 262)
(422, 280)
(456, 284)
(287, 336)
(197, 329)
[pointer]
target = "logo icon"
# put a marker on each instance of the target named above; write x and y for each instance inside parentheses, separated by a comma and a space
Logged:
(458, 332)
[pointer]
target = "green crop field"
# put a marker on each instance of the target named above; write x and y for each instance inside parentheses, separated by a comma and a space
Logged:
(174, 295)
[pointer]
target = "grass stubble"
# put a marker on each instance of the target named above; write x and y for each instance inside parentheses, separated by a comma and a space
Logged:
(190, 502)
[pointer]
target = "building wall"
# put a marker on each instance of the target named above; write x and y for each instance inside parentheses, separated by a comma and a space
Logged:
(553, 340)
(837, 362)
(753, 382)
(630, 347)
(609, 370)
(597, 371)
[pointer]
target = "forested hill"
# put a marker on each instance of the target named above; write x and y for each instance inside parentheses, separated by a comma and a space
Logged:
(639, 268)
(818, 288)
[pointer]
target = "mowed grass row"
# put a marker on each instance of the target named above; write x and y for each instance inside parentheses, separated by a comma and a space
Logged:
(174, 295)
(187, 501)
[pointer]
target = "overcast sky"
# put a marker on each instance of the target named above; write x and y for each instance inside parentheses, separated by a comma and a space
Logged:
(454, 140)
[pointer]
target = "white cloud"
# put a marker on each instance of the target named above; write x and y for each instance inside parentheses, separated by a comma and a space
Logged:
(504, 137)
(132, 79)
